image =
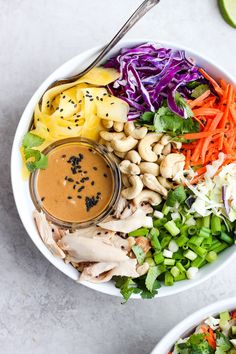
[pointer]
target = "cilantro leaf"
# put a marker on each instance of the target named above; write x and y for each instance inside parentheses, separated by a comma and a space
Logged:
(196, 344)
(199, 90)
(37, 160)
(34, 158)
(177, 195)
(139, 253)
(127, 287)
(31, 140)
(147, 117)
(182, 103)
(165, 121)
(222, 343)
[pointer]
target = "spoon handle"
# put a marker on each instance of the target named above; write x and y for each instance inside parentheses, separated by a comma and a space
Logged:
(135, 17)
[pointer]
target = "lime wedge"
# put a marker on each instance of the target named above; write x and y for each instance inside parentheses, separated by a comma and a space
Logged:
(228, 11)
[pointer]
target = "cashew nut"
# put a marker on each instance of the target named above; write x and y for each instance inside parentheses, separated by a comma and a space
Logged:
(129, 127)
(134, 190)
(165, 139)
(125, 180)
(107, 123)
(118, 126)
(108, 136)
(152, 183)
(121, 155)
(139, 133)
(129, 168)
(125, 144)
(108, 146)
(171, 165)
(165, 183)
(167, 149)
(133, 156)
(158, 148)
(146, 195)
(177, 144)
(145, 147)
(149, 167)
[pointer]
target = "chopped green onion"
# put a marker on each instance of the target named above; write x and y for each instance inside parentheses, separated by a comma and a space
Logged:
(154, 233)
(158, 257)
(190, 255)
(192, 272)
(169, 280)
(221, 247)
(182, 240)
(151, 277)
(139, 232)
(175, 271)
(206, 221)
(165, 209)
(139, 253)
(211, 256)
(167, 253)
(169, 261)
(198, 262)
(204, 232)
(165, 241)
(192, 230)
(181, 267)
(173, 246)
(150, 261)
(172, 228)
(199, 250)
(180, 277)
(226, 238)
(215, 225)
(196, 240)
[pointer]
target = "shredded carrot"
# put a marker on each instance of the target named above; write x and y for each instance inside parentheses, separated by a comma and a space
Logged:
(216, 86)
(217, 119)
(198, 100)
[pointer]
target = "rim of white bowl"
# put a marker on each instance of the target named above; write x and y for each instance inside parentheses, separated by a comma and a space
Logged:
(191, 322)
(70, 67)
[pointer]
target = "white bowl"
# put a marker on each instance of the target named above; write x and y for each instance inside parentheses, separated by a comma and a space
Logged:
(21, 188)
(186, 326)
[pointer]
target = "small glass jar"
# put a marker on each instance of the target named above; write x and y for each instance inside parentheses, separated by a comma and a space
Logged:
(116, 185)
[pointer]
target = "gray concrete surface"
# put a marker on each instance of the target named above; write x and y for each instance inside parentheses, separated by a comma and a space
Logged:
(42, 311)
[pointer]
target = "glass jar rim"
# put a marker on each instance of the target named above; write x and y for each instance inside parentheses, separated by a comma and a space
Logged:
(115, 171)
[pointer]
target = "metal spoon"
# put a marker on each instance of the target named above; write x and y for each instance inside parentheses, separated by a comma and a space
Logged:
(135, 17)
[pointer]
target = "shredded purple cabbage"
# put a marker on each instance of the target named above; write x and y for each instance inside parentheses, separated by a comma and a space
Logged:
(149, 74)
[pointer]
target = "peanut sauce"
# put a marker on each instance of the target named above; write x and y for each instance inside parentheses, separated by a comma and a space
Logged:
(77, 184)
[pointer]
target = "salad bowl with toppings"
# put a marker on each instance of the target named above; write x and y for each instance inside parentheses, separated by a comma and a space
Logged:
(126, 178)
(209, 330)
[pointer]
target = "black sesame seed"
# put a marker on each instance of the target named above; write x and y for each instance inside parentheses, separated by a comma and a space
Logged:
(81, 188)
(99, 193)
(48, 130)
(112, 103)
(106, 232)
(107, 114)
(98, 233)
(63, 156)
(70, 179)
(91, 150)
(80, 101)
(69, 128)
(64, 96)
(95, 168)
(42, 199)
(91, 99)
(105, 175)
(53, 230)
(69, 197)
(75, 105)
(79, 196)
(101, 99)
(61, 110)
(92, 183)
(57, 108)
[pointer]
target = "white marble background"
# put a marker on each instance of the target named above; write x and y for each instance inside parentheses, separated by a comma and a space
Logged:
(42, 311)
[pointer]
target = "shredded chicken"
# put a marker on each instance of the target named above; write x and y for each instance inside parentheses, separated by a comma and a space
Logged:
(135, 221)
(45, 231)
(103, 272)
